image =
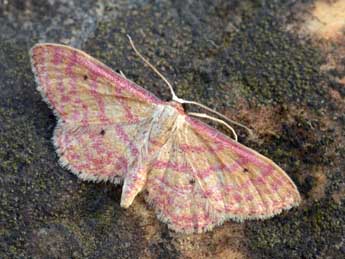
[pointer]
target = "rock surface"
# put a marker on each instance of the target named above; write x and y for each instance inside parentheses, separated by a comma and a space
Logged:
(268, 64)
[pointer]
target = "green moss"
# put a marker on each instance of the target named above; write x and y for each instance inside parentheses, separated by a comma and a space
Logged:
(19, 145)
(301, 233)
(265, 63)
(272, 65)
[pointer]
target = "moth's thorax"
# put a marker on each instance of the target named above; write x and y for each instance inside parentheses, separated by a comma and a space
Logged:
(177, 106)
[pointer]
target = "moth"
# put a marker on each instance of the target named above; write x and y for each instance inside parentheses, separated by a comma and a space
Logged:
(110, 129)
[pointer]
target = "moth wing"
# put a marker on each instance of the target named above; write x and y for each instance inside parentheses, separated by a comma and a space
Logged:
(202, 178)
(100, 112)
(100, 152)
(84, 91)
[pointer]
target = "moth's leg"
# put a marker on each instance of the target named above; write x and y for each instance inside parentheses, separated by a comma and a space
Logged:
(203, 115)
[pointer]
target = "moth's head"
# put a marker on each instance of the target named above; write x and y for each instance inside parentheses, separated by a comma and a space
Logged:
(178, 106)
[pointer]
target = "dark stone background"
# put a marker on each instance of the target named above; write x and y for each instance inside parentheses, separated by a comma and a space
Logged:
(255, 61)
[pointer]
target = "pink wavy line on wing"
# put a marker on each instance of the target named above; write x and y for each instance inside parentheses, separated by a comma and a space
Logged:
(93, 165)
(94, 161)
(259, 182)
(64, 140)
(124, 137)
(99, 99)
(98, 144)
(57, 56)
(73, 93)
(214, 192)
(234, 208)
(212, 169)
(202, 174)
(261, 208)
(73, 82)
(73, 156)
(158, 183)
(44, 81)
(186, 147)
(210, 192)
(60, 86)
(182, 220)
(227, 142)
(199, 149)
(158, 164)
(72, 58)
(94, 158)
(107, 158)
(130, 117)
(100, 71)
(121, 163)
(189, 220)
(106, 72)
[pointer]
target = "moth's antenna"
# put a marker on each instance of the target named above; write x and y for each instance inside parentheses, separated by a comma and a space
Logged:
(180, 100)
(174, 97)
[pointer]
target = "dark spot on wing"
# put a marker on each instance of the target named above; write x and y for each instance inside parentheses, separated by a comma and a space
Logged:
(102, 132)
(85, 77)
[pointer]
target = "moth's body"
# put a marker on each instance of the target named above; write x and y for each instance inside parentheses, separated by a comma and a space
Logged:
(111, 129)
(172, 116)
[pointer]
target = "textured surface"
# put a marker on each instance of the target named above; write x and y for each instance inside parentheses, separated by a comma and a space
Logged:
(110, 129)
(101, 115)
(258, 62)
(201, 178)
